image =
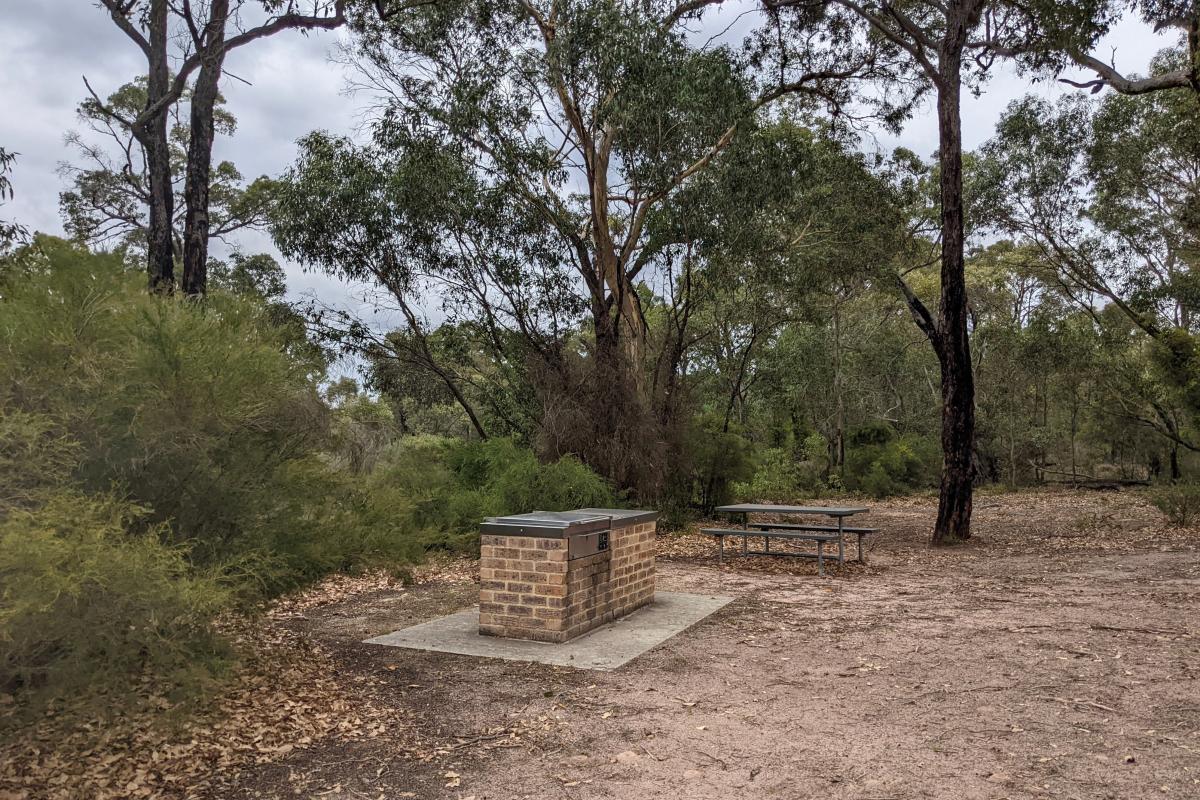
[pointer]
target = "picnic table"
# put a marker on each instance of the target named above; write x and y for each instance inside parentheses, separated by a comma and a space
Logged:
(820, 534)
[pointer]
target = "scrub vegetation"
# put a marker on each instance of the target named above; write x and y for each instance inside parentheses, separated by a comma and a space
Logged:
(165, 462)
(611, 262)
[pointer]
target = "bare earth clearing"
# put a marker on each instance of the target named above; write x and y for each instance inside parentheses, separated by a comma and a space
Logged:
(1055, 656)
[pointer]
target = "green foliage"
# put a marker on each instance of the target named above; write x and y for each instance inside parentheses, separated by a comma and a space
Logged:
(205, 415)
(445, 487)
(1174, 353)
(91, 596)
(34, 454)
(1106, 193)
(257, 275)
(1179, 501)
(880, 464)
(778, 478)
(161, 461)
(719, 461)
(104, 203)
(10, 232)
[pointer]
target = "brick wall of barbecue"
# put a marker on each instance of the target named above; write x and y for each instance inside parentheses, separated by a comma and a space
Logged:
(631, 567)
(523, 587)
(529, 590)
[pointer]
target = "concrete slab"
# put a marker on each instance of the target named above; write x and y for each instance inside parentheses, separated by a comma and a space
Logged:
(604, 648)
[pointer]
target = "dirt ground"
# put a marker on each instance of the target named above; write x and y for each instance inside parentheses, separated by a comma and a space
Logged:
(1054, 656)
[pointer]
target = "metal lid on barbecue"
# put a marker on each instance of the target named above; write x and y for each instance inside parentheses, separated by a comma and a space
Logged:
(547, 524)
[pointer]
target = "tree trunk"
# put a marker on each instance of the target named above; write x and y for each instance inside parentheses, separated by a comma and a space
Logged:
(152, 135)
(1074, 434)
(839, 432)
(954, 353)
(1012, 447)
(199, 162)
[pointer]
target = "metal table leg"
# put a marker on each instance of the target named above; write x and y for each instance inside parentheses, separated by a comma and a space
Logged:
(841, 541)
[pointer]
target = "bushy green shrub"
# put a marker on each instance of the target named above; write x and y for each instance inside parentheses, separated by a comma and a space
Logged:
(34, 455)
(317, 522)
(1179, 501)
(880, 464)
(203, 414)
(516, 480)
(160, 461)
(777, 478)
(86, 601)
(445, 487)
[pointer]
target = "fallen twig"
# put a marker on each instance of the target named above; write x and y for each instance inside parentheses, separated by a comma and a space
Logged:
(1078, 702)
(1121, 629)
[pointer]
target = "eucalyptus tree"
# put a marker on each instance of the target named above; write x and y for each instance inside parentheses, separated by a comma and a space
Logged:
(108, 196)
(949, 45)
(935, 36)
(1105, 192)
(258, 275)
(1143, 161)
(201, 31)
(405, 214)
(827, 233)
(585, 122)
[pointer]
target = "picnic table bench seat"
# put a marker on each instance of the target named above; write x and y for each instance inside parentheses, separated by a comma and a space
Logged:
(820, 538)
(791, 526)
(820, 534)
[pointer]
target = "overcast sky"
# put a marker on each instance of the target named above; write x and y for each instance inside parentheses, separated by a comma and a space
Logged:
(49, 45)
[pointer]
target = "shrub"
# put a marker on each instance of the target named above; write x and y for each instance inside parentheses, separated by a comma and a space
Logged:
(160, 461)
(1179, 501)
(881, 464)
(716, 462)
(777, 478)
(317, 521)
(205, 415)
(34, 455)
(87, 602)
(514, 479)
(444, 487)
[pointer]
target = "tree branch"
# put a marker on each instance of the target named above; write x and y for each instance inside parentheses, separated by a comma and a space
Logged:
(120, 15)
(920, 314)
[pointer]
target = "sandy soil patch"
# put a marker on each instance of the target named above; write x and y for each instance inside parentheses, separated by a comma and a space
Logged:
(1054, 656)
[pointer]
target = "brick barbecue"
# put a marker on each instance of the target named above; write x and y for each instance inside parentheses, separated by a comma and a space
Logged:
(551, 576)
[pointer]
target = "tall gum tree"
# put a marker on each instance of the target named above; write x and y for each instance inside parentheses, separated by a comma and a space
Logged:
(203, 27)
(106, 200)
(593, 116)
(935, 36)
(951, 45)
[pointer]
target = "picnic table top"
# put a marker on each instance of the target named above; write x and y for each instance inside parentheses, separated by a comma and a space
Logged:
(759, 508)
